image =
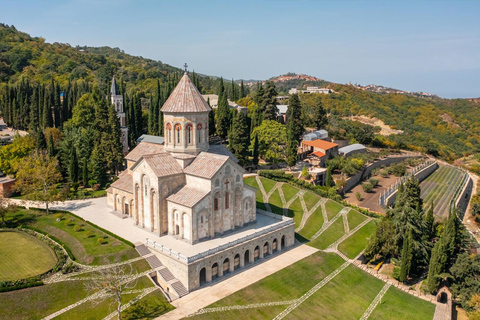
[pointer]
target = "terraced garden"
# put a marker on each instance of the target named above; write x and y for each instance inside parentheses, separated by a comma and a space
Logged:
(440, 188)
(325, 284)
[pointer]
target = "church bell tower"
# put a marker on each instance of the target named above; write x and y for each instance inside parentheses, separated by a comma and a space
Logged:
(117, 101)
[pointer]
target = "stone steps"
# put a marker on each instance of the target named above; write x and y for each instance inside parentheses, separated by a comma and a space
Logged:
(154, 262)
(179, 288)
(143, 250)
(166, 274)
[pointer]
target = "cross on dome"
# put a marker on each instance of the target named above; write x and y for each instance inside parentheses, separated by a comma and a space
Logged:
(185, 66)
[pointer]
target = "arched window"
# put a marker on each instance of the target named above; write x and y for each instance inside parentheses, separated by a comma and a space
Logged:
(199, 132)
(178, 128)
(227, 199)
(169, 132)
(237, 179)
(215, 204)
(189, 133)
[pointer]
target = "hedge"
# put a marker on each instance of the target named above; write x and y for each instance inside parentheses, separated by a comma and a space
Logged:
(20, 286)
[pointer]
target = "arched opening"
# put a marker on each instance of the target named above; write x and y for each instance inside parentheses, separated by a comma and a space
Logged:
(169, 133)
(443, 297)
(215, 204)
(178, 128)
(236, 262)
(246, 257)
(177, 229)
(226, 266)
(203, 276)
(282, 243)
(189, 134)
(265, 249)
(215, 271)
(199, 132)
(274, 245)
(256, 254)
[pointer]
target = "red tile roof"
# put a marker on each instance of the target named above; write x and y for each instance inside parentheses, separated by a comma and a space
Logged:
(163, 164)
(206, 165)
(319, 154)
(321, 144)
(144, 148)
(188, 197)
(185, 98)
(124, 183)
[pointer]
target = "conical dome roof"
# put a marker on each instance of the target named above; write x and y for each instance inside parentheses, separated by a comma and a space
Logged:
(185, 98)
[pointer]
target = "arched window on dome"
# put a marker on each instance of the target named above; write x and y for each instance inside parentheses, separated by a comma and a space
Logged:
(169, 132)
(189, 134)
(199, 132)
(178, 128)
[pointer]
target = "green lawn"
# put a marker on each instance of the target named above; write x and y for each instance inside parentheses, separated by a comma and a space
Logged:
(267, 184)
(346, 296)
(296, 211)
(276, 203)
(23, 256)
(355, 218)
(84, 243)
(397, 304)
(354, 244)
(251, 181)
(151, 306)
(313, 224)
(260, 313)
(39, 302)
(288, 191)
(287, 284)
(329, 236)
(332, 208)
(310, 199)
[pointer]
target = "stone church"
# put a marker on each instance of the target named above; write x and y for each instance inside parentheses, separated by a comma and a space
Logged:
(188, 193)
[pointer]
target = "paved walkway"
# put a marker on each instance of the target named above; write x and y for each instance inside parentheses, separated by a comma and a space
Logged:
(204, 297)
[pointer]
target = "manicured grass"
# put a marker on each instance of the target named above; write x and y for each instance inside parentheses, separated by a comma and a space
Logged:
(397, 304)
(310, 199)
(276, 203)
(267, 184)
(332, 208)
(313, 224)
(354, 244)
(346, 296)
(83, 243)
(329, 236)
(261, 313)
(102, 307)
(151, 306)
(287, 284)
(288, 191)
(23, 256)
(355, 218)
(297, 211)
(39, 302)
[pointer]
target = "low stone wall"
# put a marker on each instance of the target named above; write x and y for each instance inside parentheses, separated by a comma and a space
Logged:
(464, 197)
(367, 171)
(420, 175)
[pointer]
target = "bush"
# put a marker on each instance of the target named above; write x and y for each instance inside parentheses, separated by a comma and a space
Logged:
(77, 228)
(96, 187)
(75, 186)
(396, 273)
(92, 182)
(367, 187)
(398, 169)
(58, 216)
(101, 241)
(384, 173)
(69, 222)
(373, 182)
(358, 195)
(89, 234)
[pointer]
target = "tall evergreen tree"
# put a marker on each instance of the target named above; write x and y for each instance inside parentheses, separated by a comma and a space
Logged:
(319, 115)
(406, 257)
(85, 172)
(222, 115)
(239, 138)
(40, 142)
(73, 167)
(242, 90)
(256, 147)
(295, 122)
(50, 145)
(270, 110)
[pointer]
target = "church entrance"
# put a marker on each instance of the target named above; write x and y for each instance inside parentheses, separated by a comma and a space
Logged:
(126, 211)
(177, 230)
(203, 276)
(282, 243)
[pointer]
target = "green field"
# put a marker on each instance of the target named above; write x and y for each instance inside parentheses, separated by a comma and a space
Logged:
(355, 218)
(313, 224)
(333, 208)
(329, 236)
(399, 305)
(23, 256)
(355, 243)
(83, 242)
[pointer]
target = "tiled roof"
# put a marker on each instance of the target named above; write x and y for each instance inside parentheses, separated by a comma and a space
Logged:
(321, 144)
(124, 183)
(151, 139)
(185, 98)
(221, 149)
(319, 154)
(188, 197)
(144, 148)
(206, 165)
(163, 164)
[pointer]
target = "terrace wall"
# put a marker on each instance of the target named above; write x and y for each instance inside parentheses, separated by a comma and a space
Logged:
(464, 197)
(367, 171)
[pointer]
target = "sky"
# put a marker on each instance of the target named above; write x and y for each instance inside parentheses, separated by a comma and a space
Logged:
(430, 46)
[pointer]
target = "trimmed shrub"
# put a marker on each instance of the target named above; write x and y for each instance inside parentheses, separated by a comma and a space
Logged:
(373, 182)
(102, 241)
(89, 234)
(367, 187)
(77, 228)
(358, 195)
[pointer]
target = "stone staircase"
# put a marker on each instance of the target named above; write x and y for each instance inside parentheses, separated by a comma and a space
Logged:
(162, 272)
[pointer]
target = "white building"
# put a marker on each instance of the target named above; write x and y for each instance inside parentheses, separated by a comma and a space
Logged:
(117, 101)
(311, 90)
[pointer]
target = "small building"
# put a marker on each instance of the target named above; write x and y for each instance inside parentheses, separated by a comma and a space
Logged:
(311, 90)
(282, 113)
(352, 150)
(213, 101)
(6, 186)
(151, 139)
(319, 175)
(330, 149)
(315, 135)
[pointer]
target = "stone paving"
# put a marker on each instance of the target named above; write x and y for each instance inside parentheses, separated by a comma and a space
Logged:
(375, 302)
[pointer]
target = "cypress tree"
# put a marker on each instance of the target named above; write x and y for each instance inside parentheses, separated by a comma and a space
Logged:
(211, 121)
(222, 115)
(242, 90)
(151, 116)
(295, 122)
(73, 166)
(437, 265)
(329, 179)
(406, 257)
(85, 172)
(255, 150)
(50, 145)
(429, 223)
(319, 115)
(40, 143)
(47, 112)
(239, 138)
(270, 109)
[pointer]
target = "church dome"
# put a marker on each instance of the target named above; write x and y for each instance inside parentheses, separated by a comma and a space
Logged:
(185, 98)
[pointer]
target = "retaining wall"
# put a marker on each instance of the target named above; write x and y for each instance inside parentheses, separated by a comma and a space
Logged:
(367, 171)
(420, 175)
(464, 197)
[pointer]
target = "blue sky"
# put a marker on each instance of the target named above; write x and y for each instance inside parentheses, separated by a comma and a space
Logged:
(431, 46)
